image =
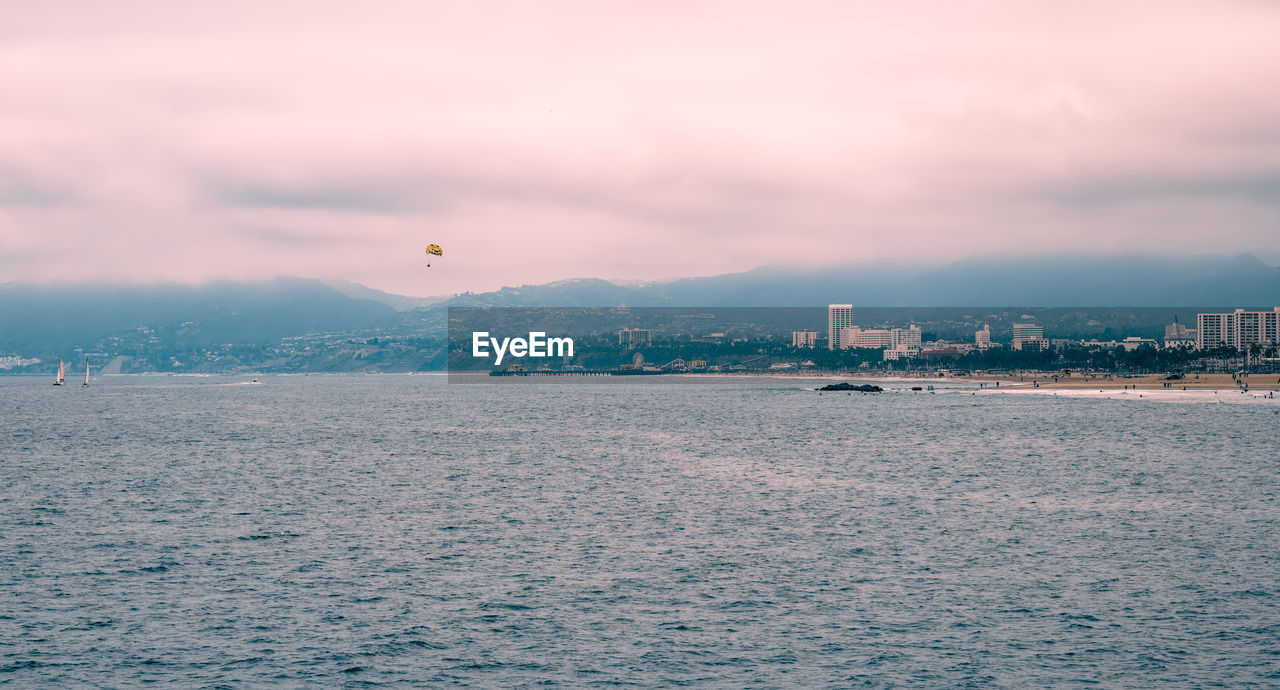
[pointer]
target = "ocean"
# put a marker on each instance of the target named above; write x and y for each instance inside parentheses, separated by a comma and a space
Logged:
(398, 530)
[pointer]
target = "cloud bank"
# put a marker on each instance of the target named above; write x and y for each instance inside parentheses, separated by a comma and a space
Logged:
(538, 141)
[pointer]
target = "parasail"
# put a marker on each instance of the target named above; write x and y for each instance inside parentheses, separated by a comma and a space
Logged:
(434, 250)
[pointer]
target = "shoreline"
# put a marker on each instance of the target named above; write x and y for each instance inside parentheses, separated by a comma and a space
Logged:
(1200, 382)
(1046, 381)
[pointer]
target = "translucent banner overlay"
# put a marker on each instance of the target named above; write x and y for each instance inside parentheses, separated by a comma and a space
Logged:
(651, 344)
(626, 344)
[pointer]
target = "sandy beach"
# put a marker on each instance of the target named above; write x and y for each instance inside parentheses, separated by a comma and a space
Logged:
(1253, 382)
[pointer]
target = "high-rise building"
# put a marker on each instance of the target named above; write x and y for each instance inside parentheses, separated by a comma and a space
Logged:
(804, 338)
(908, 337)
(880, 338)
(1177, 331)
(839, 317)
(896, 353)
(1029, 335)
(635, 337)
(872, 338)
(1238, 329)
(982, 338)
(1177, 335)
(1257, 327)
(1214, 330)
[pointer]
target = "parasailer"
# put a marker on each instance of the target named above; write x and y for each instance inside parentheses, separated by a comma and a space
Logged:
(433, 250)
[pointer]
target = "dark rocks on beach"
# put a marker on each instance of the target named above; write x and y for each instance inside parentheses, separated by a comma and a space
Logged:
(864, 388)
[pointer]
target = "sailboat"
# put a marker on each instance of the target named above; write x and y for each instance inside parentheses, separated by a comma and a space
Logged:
(62, 373)
(86, 372)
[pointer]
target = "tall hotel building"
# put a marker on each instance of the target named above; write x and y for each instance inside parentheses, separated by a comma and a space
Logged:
(839, 317)
(635, 337)
(1238, 329)
(982, 338)
(1029, 335)
(880, 338)
(804, 338)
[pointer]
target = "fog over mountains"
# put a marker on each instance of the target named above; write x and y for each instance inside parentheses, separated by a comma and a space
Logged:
(41, 319)
(45, 319)
(1033, 282)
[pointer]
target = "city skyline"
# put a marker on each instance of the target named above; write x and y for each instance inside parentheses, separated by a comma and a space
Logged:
(1241, 329)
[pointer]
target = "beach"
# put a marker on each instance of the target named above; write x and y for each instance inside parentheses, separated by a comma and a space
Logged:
(1201, 381)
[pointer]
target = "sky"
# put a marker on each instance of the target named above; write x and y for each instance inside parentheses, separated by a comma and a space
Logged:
(538, 141)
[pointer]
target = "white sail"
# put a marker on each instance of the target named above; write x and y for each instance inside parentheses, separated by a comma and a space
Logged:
(86, 373)
(62, 373)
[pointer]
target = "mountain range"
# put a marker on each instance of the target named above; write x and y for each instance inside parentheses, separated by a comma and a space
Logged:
(43, 319)
(1034, 282)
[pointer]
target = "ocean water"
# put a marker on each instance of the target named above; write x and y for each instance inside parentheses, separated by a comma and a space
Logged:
(395, 530)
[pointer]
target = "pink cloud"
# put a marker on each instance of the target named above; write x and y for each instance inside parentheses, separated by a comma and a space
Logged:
(632, 140)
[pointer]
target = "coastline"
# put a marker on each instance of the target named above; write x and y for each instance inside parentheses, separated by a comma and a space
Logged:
(1201, 382)
(1029, 381)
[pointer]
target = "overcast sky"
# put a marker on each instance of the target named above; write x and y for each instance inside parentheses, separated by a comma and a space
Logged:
(538, 141)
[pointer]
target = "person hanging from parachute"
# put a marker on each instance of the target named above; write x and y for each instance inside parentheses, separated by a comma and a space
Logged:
(433, 250)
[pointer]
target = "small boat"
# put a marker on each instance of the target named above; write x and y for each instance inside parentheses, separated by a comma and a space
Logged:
(62, 373)
(86, 373)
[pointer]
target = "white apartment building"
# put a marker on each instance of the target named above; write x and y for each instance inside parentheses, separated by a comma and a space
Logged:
(635, 337)
(804, 338)
(910, 336)
(1133, 342)
(1238, 329)
(1257, 327)
(982, 338)
(1029, 336)
(900, 351)
(1177, 331)
(1213, 330)
(1178, 336)
(880, 338)
(868, 338)
(1130, 344)
(839, 317)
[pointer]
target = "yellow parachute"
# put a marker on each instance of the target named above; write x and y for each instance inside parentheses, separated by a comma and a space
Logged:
(434, 250)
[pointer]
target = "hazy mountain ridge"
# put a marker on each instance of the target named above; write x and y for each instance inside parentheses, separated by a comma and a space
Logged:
(397, 302)
(37, 319)
(1034, 282)
(1059, 282)
(51, 318)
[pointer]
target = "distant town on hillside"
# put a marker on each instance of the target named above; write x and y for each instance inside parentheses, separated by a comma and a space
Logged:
(1205, 313)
